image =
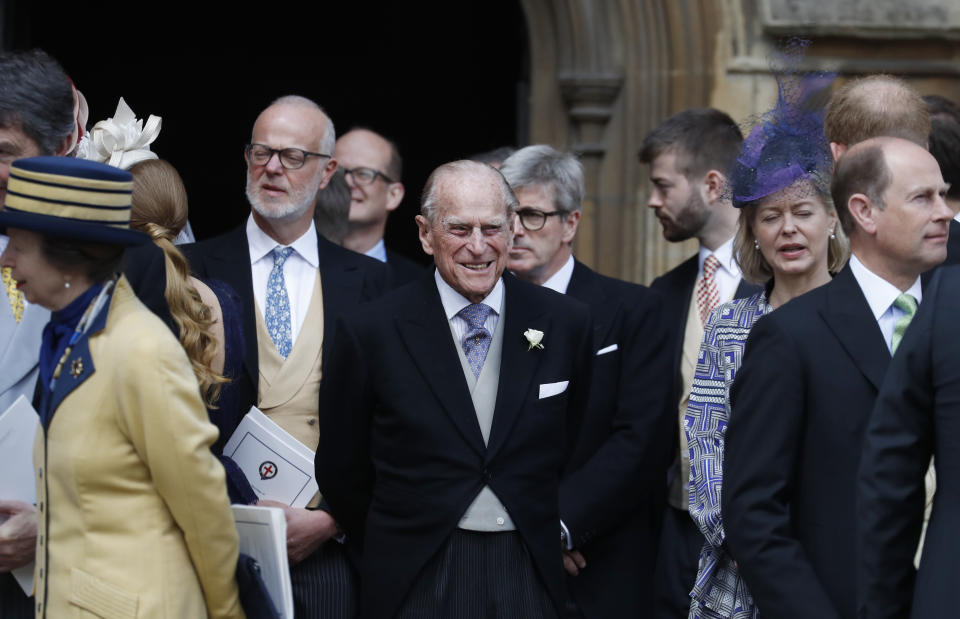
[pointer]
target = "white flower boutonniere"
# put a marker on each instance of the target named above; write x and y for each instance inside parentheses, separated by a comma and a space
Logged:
(534, 338)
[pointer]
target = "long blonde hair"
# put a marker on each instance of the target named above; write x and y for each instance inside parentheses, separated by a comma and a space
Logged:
(160, 210)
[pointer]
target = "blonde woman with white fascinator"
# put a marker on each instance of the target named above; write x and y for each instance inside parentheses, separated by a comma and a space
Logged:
(205, 316)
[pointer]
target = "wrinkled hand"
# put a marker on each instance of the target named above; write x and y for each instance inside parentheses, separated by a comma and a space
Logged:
(307, 529)
(18, 534)
(573, 562)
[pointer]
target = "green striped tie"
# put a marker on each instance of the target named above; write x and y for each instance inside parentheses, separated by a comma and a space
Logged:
(908, 305)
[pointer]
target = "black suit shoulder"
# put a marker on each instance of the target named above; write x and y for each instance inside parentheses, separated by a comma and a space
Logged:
(403, 269)
(682, 276)
(916, 414)
(228, 241)
(953, 244)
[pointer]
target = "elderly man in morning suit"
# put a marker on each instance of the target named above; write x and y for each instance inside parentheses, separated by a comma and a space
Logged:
(449, 411)
(607, 495)
(294, 284)
(810, 375)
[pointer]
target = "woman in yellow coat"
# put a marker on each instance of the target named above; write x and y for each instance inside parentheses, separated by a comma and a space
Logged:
(132, 510)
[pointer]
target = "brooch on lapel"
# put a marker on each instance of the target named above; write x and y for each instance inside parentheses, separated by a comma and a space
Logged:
(76, 368)
(534, 338)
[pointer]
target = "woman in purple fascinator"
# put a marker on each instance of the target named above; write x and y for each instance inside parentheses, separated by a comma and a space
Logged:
(788, 239)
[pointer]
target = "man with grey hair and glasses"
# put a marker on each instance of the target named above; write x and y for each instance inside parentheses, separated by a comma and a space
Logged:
(608, 493)
(294, 285)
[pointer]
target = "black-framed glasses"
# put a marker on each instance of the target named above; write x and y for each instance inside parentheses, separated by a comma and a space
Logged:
(533, 219)
(290, 158)
(366, 176)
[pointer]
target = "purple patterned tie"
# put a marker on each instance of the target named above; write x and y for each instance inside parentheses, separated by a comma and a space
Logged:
(476, 341)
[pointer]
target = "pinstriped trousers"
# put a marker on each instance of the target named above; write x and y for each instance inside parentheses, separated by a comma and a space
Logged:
(325, 585)
(479, 576)
(14, 604)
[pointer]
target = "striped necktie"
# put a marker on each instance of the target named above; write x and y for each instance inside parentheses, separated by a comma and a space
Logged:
(708, 295)
(908, 305)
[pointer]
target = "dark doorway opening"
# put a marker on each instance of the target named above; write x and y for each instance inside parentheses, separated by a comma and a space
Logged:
(442, 79)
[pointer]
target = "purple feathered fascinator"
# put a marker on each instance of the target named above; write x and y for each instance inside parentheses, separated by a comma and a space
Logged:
(788, 144)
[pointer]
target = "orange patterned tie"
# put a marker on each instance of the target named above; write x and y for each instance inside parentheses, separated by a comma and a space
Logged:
(13, 293)
(708, 295)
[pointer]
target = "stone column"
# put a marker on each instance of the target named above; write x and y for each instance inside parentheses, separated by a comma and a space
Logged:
(589, 99)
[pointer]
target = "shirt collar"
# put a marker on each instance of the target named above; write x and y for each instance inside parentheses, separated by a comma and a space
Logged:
(261, 244)
(453, 301)
(879, 292)
(378, 251)
(560, 280)
(724, 254)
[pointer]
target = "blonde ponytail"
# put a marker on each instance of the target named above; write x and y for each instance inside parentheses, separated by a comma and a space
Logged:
(160, 209)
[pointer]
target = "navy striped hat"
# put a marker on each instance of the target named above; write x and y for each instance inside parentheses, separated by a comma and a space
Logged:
(71, 198)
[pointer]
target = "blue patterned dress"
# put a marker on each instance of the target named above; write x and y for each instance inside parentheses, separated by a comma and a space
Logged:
(719, 591)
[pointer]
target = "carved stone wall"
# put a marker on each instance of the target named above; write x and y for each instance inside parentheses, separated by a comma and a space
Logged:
(605, 72)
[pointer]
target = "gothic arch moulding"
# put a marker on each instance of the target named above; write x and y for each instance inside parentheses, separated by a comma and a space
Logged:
(603, 73)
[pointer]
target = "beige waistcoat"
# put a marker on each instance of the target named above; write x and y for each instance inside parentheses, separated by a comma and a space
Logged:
(289, 388)
(679, 494)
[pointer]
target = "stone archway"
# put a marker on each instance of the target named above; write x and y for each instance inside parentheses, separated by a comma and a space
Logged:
(603, 73)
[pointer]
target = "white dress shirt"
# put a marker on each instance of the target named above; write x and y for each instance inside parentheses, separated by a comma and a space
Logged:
(880, 296)
(453, 302)
(378, 251)
(560, 281)
(727, 276)
(299, 271)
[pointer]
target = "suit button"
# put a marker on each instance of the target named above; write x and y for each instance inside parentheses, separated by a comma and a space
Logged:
(485, 475)
(41, 507)
(40, 472)
(312, 421)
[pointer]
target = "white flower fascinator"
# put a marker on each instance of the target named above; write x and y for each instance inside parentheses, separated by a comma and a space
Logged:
(121, 141)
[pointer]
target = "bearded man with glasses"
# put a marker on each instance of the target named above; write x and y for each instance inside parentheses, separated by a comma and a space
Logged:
(609, 493)
(294, 284)
(373, 169)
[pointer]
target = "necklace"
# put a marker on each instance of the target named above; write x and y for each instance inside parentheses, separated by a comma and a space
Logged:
(91, 312)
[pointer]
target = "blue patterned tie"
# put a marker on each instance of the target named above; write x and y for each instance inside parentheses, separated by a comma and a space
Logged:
(278, 303)
(476, 341)
(907, 304)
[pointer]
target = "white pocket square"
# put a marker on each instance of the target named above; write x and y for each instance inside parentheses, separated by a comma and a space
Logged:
(549, 389)
(610, 348)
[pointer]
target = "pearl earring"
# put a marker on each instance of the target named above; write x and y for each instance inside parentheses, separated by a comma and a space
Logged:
(66, 284)
(833, 235)
(756, 244)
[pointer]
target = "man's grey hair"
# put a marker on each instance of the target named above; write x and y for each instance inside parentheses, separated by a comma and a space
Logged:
(36, 96)
(429, 201)
(329, 138)
(544, 165)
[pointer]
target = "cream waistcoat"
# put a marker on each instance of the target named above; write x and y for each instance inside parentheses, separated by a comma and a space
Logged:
(289, 388)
